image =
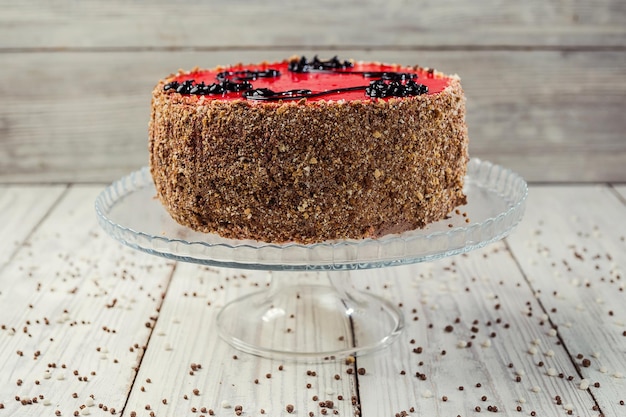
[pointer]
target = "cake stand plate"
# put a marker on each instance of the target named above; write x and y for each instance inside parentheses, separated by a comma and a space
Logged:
(130, 212)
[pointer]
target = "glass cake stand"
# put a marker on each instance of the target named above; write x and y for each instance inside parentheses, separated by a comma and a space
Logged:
(310, 309)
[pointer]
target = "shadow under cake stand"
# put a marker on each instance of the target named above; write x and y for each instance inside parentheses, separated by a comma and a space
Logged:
(310, 309)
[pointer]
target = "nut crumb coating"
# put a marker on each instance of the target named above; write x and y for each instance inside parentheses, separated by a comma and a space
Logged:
(309, 172)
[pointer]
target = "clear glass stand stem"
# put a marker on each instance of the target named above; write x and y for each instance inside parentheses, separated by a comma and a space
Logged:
(310, 316)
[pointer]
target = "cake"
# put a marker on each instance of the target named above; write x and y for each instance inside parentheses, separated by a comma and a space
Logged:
(308, 151)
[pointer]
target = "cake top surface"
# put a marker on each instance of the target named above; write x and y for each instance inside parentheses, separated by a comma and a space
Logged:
(314, 80)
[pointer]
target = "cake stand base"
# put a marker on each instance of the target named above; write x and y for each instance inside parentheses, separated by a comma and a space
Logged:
(310, 316)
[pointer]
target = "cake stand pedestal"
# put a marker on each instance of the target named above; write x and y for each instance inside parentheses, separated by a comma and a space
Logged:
(310, 310)
(312, 316)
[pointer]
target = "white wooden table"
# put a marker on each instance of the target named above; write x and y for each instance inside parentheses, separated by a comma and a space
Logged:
(532, 325)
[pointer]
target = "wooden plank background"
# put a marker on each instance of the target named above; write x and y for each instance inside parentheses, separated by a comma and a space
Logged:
(545, 80)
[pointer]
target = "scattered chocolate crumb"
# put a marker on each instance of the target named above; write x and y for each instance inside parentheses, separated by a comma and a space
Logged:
(421, 376)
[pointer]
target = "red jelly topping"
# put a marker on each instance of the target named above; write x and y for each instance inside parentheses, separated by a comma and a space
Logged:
(318, 82)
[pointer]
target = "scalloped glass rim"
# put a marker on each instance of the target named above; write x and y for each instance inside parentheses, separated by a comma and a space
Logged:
(496, 202)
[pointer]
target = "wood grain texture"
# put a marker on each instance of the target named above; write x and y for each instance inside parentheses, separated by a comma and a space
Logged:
(472, 340)
(22, 209)
(397, 23)
(186, 338)
(621, 190)
(77, 311)
(575, 262)
(549, 115)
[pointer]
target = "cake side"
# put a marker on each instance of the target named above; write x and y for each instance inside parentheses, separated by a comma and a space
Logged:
(309, 172)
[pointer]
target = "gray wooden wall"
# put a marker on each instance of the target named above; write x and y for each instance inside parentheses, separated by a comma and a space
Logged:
(545, 79)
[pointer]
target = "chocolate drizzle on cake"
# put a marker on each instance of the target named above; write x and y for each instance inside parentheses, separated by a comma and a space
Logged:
(227, 81)
(387, 83)
(247, 75)
(267, 94)
(376, 89)
(304, 65)
(382, 89)
(190, 87)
